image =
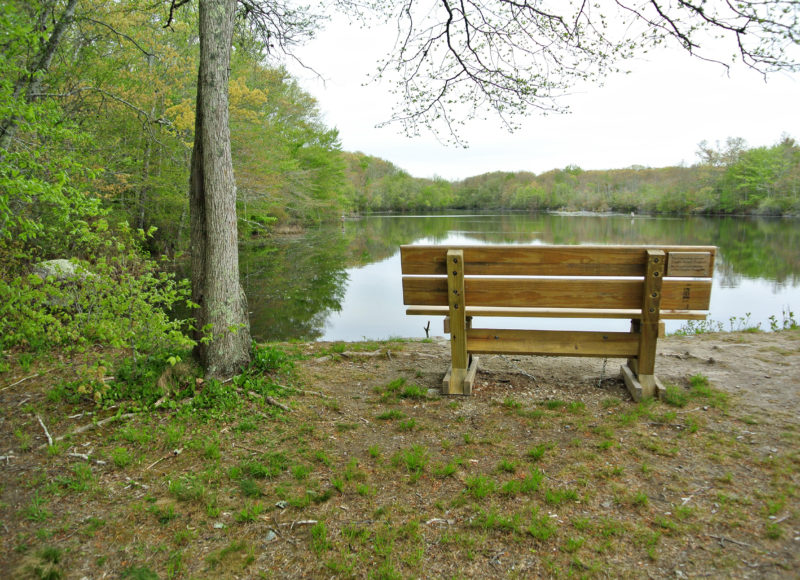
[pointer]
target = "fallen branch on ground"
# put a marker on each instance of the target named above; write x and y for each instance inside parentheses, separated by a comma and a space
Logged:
(90, 426)
(173, 453)
(19, 381)
(46, 432)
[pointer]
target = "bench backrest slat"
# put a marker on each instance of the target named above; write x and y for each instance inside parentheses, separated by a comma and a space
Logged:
(543, 260)
(558, 276)
(558, 293)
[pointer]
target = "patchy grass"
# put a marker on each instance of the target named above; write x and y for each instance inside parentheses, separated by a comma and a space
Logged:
(379, 479)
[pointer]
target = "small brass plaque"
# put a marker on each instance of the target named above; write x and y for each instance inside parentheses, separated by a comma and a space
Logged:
(689, 264)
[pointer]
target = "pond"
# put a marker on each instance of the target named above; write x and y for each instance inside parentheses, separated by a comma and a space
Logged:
(342, 281)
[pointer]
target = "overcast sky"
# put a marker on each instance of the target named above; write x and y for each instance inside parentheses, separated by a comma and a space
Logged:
(655, 116)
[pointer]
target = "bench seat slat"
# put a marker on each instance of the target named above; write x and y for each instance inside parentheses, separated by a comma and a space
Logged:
(633, 314)
(540, 260)
(558, 293)
(553, 342)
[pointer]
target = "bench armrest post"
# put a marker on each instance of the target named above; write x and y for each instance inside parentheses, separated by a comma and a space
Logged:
(458, 322)
(648, 327)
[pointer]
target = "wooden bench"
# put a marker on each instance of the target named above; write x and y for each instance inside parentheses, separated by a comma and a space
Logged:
(646, 284)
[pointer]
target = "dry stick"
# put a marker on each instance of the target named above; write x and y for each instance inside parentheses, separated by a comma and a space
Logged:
(19, 381)
(275, 403)
(46, 432)
(90, 426)
(303, 391)
(174, 453)
(724, 539)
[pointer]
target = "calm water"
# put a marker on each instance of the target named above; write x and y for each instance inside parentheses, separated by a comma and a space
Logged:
(342, 282)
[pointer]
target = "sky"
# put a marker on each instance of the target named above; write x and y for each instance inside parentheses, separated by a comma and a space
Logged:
(654, 116)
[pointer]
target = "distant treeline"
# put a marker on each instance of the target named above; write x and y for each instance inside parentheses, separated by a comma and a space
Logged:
(729, 179)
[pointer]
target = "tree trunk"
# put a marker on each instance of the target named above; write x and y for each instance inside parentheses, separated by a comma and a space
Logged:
(222, 315)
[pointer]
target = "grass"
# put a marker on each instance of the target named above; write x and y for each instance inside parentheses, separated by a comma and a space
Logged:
(411, 486)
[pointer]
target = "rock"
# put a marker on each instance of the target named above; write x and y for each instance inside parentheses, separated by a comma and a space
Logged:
(270, 537)
(60, 270)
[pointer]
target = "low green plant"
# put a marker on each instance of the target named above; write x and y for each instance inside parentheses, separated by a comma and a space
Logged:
(250, 512)
(121, 457)
(319, 538)
(541, 527)
(480, 486)
(414, 460)
(536, 453)
(391, 415)
(675, 396)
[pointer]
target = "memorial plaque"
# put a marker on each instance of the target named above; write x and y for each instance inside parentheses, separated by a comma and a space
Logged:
(689, 264)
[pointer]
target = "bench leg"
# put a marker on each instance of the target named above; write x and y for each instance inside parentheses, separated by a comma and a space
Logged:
(640, 374)
(451, 385)
(458, 383)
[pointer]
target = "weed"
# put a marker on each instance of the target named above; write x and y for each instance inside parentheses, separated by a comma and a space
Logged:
(445, 470)
(300, 472)
(249, 487)
(365, 490)
(37, 510)
(24, 440)
(391, 415)
(541, 526)
(319, 538)
(700, 387)
(323, 458)
(576, 407)
(352, 472)
(138, 573)
(511, 404)
(414, 460)
(572, 545)
(559, 496)
(121, 457)
(414, 392)
(536, 453)
(165, 514)
(480, 486)
(773, 531)
(81, 480)
(507, 466)
(408, 425)
(492, 520)
(374, 451)
(250, 512)
(675, 396)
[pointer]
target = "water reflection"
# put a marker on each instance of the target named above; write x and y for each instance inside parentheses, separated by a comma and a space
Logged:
(342, 282)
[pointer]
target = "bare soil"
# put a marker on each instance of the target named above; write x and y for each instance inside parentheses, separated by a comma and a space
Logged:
(548, 470)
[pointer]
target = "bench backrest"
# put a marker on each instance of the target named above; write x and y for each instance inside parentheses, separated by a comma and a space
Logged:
(601, 277)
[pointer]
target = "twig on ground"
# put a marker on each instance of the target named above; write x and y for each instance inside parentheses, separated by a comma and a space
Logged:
(275, 403)
(19, 381)
(46, 432)
(303, 391)
(724, 539)
(173, 453)
(80, 430)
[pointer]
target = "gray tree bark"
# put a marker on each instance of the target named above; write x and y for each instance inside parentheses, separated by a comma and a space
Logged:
(221, 318)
